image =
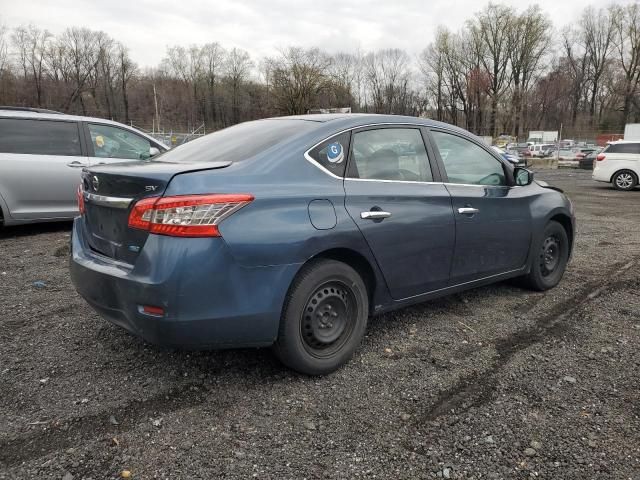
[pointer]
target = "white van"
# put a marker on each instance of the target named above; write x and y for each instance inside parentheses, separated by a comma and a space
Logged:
(619, 164)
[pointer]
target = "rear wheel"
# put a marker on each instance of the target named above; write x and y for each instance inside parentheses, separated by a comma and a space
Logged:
(324, 318)
(624, 180)
(550, 260)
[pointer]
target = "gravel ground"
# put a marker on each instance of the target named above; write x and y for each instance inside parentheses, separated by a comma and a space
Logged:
(497, 382)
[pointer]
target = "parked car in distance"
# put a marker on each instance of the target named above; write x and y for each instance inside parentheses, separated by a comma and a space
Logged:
(586, 161)
(507, 156)
(584, 151)
(290, 232)
(523, 149)
(541, 150)
(43, 152)
(619, 164)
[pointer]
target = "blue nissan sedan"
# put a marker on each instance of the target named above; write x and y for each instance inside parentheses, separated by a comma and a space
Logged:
(291, 232)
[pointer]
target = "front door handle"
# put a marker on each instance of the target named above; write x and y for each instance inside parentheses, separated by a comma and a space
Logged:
(374, 215)
(77, 164)
(468, 210)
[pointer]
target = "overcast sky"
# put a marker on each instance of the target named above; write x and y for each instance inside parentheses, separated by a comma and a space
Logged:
(263, 26)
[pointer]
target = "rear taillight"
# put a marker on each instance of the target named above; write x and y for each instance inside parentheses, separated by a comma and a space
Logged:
(80, 198)
(600, 157)
(186, 215)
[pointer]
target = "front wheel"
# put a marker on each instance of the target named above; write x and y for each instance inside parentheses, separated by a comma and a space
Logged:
(324, 318)
(550, 259)
(624, 180)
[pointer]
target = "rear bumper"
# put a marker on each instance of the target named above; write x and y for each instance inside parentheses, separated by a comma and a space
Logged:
(601, 173)
(209, 300)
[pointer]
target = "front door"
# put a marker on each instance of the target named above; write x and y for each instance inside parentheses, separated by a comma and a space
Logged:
(406, 219)
(493, 218)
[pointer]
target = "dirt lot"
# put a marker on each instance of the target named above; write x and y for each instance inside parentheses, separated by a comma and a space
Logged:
(494, 383)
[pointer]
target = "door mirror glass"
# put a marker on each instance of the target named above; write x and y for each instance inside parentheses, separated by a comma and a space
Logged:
(522, 176)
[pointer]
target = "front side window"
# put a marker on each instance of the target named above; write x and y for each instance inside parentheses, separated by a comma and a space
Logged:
(390, 154)
(332, 153)
(114, 142)
(465, 162)
(39, 137)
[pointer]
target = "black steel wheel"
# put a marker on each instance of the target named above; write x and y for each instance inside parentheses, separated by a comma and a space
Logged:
(550, 262)
(550, 254)
(328, 318)
(324, 318)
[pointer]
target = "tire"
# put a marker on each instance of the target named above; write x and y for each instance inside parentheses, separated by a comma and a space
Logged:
(624, 180)
(550, 259)
(324, 318)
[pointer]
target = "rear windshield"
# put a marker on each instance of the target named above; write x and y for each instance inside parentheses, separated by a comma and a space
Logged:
(239, 142)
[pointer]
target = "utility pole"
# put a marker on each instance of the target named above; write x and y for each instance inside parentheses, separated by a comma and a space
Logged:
(559, 140)
(155, 101)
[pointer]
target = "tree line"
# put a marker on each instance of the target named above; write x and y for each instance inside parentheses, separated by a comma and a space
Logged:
(504, 71)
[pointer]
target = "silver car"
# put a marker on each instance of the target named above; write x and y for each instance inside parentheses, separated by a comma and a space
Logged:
(42, 154)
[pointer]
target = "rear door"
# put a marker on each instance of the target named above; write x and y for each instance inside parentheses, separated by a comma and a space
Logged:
(111, 144)
(493, 219)
(40, 164)
(405, 217)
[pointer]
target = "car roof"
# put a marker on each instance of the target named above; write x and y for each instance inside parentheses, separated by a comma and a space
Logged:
(355, 120)
(617, 142)
(9, 112)
(36, 114)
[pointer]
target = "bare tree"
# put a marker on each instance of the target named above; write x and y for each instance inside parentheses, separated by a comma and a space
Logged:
(79, 47)
(4, 48)
(491, 30)
(530, 38)
(298, 77)
(626, 21)
(31, 44)
(238, 65)
(598, 30)
(387, 73)
(213, 56)
(126, 70)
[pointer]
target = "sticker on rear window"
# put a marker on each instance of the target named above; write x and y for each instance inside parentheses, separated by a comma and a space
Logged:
(335, 152)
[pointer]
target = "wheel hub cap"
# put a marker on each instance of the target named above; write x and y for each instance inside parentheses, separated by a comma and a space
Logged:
(624, 180)
(327, 316)
(549, 255)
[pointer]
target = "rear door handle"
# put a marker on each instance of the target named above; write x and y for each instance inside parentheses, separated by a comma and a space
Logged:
(468, 210)
(374, 215)
(77, 164)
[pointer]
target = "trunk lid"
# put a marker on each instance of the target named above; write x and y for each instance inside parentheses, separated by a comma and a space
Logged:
(110, 191)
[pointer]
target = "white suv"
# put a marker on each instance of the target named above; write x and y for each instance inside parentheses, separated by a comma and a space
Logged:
(619, 163)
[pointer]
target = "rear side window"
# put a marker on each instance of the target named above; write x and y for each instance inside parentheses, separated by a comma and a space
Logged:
(623, 148)
(39, 137)
(332, 153)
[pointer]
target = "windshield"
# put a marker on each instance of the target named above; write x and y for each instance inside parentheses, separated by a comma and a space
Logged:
(237, 143)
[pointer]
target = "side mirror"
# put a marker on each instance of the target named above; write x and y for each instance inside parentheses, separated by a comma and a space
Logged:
(153, 151)
(522, 176)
